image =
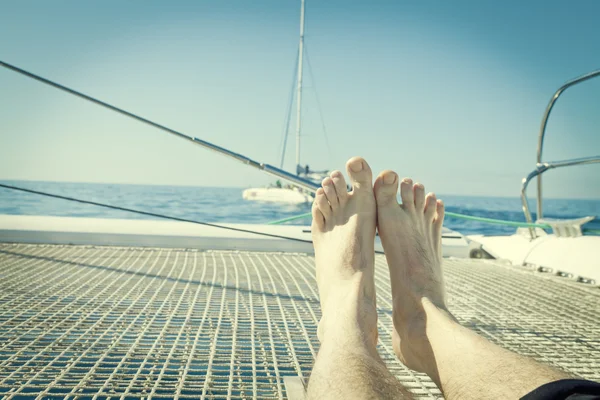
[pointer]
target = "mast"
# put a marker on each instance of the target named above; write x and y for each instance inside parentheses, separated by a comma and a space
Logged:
(299, 89)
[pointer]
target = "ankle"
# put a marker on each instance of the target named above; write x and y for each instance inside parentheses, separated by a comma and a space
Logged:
(416, 331)
(411, 319)
(439, 317)
(350, 317)
(439, 323)
(355, 340)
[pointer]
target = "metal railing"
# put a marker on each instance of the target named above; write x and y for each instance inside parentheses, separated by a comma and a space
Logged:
(541, 166)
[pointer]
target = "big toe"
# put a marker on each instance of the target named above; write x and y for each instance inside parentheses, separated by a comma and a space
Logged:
(360, 174)
(386, 188)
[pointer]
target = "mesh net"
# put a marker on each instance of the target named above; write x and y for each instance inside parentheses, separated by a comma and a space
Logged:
(82, 321)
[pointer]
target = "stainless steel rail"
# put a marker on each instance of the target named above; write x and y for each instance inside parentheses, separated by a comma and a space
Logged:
(541, 166)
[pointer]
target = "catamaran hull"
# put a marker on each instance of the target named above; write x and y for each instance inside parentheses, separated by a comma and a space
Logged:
(277, 195)
(572, 257)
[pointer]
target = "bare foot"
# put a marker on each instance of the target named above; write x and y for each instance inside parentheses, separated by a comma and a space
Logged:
(343, 231)
(411, 235)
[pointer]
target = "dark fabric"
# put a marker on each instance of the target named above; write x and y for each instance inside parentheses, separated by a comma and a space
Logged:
(566, 389)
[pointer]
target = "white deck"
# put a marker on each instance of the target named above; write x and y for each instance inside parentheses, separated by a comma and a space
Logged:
(577, 258)
(173, 234)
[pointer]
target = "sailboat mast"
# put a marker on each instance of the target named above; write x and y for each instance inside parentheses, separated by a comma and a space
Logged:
(299, 89)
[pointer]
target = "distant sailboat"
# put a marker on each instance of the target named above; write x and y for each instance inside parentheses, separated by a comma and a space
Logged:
(290, 193)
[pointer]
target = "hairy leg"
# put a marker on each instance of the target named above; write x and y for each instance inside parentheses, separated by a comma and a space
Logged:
(427, 337)
(348, 365)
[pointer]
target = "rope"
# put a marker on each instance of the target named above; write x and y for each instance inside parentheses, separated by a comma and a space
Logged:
(497, 221)
(449, 214)
(460, 216)
(295, 217)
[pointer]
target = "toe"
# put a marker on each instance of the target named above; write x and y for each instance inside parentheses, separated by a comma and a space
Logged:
(318, 218)
(419, 194)
(406, 193)
(386, 188)
(323, 204)
(330, 193)
(340, 186)
(430, 207)
(439, 219)
(360, 174)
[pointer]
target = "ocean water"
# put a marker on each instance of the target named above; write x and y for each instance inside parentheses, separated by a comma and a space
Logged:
(208, 204)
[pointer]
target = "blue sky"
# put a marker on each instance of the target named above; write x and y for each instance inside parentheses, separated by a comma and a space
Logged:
(450, 93)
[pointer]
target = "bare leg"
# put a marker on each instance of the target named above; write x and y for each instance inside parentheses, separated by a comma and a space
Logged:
(348, 365)
(427, 338)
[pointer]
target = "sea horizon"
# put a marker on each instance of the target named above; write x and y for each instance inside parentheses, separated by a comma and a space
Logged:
(531, 195)
(225, 205)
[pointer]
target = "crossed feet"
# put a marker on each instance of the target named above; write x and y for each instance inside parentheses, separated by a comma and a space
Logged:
(343, 234)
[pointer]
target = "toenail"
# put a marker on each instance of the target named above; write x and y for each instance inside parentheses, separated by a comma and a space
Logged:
(407, 180)
(336, 174)
(320, 191)
(326, 181)
(356, 166)
(389, 178)
(419, 186)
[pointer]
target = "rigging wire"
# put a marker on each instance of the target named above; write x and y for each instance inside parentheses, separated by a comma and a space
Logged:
(151, 214)
(286, 128)
(304, 183)
(312, 79)
(57, 196)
